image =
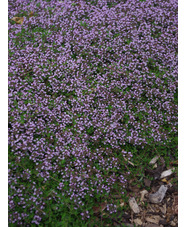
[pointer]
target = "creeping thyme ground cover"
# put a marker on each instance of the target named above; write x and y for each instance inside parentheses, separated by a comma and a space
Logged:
(87, 80)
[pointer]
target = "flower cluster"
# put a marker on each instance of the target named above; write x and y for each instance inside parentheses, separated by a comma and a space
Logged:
(85, 77)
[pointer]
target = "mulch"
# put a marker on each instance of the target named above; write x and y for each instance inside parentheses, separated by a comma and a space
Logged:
(160, 214)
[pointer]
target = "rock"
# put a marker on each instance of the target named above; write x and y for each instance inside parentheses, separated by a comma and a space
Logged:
(159, 195)
(154, 160)
(133, 205)
(167, 173)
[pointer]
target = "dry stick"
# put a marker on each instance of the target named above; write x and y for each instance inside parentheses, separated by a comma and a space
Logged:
(129, 161)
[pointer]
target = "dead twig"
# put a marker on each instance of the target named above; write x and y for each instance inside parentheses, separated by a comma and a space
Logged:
(129, 162)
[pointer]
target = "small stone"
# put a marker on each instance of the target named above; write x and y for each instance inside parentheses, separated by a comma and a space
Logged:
(159, 195)
(167, 173)
(154, 160)
(133, 205)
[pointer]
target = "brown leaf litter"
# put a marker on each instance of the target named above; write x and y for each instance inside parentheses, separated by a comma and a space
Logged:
(18, 20)
(141, 209)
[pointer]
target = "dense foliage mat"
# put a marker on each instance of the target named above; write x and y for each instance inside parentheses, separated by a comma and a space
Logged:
(86, 80)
